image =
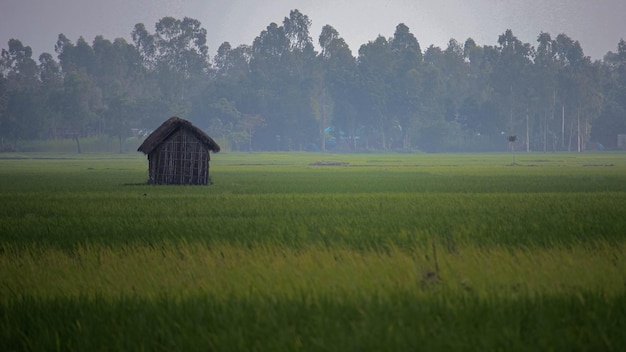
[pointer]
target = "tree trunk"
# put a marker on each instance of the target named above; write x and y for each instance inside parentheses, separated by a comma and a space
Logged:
(545, 132)
(511, 111)
(249, 139)
(323, 128)
(382, 134)
(563, 127)
(586, 132)
(552, 107)
(578, 138)
(512, 146)
(406, 138)
(527, 133)
(571, 132)
(77, 144)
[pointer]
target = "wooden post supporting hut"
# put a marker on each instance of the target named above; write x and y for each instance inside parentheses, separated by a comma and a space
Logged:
(178, 153)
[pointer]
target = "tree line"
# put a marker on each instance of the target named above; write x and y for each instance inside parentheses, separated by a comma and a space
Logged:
(283, 92)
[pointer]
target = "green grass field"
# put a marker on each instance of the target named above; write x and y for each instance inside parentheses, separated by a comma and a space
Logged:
(380, 252)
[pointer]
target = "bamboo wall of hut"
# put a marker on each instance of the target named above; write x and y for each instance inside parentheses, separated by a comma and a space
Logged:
(178, 153)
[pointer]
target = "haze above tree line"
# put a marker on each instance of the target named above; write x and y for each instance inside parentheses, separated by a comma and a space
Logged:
(281, 93)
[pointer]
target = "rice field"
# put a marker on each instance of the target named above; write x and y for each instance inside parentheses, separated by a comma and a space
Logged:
(306, 251)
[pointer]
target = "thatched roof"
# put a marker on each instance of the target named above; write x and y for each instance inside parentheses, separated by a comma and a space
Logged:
(170, 126)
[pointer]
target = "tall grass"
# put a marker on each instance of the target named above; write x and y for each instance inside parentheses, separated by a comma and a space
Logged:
(183, 296)
(357, 221)
(392, 252)
(177, 269)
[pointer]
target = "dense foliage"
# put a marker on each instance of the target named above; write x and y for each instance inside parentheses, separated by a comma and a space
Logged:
(286, 92)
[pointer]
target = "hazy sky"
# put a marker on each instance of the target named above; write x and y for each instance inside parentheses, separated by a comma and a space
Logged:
(597, 24)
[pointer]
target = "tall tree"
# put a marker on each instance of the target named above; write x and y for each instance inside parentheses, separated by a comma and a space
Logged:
(296, 28)
(612, 121)
(51, 93)
(510, 83)
(281, 74)
(405, 99)
(78, 57)
(301, 67)
(4, 100)
(545, 69)
(182, 61)
(145, 44)
(231, 98)
(18, 110)
(374, 83)
(81, 102)
(580, 95)
(120, 76)
(268, 78)
(335, 96)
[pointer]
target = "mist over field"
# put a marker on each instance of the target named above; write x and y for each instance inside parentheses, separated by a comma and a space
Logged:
(429, 78)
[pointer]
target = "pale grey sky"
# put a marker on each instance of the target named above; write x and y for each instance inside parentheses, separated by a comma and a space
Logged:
(597, 24)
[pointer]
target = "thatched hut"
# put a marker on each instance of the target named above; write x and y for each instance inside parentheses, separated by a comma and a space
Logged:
(178, 153)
